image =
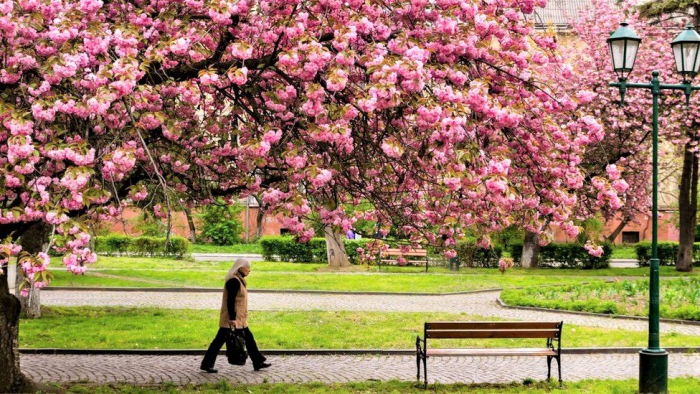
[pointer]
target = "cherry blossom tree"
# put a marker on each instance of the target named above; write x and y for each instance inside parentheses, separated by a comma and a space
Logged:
(623, 156)
(663, 12)
(433, 112)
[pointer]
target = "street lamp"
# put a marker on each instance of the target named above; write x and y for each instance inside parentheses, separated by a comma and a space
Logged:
(624, 43)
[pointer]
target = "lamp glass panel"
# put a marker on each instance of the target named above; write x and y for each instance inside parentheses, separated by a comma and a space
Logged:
(617, 51)
(678, 56)
(632, 47)
(691, 54)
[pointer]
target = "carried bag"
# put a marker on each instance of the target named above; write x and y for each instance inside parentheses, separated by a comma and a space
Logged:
(235, 347)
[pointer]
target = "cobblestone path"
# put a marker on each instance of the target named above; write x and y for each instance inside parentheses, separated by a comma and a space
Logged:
(298, 369)
(481, 304)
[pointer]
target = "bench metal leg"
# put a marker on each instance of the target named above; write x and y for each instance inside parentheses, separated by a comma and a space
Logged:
(425, 369)
(559, 365)
(418, 356)
(549, 367)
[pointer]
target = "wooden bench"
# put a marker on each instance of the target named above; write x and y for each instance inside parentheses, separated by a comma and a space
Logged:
(413, 253)
(551, 331)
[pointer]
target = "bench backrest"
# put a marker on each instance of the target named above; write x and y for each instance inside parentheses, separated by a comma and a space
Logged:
(440, 330)
(412, 252)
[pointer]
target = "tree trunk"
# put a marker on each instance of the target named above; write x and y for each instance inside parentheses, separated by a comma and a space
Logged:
(190, 222)
(531, 248)
(11, 378)
(337, 257)
(33, 241)
(687, 210)
(259, 222)
(611, 238)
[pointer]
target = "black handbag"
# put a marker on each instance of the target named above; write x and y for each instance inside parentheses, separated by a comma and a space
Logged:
(235, 347)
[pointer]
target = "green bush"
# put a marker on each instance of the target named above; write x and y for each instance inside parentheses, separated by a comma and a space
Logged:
(117, 244)
(113, 244)
(221, 224)
(351, 246)
(566, 255)
(288, 249)
(473, 256)
(668, 251)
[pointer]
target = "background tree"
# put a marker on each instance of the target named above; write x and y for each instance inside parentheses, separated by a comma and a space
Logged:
(622, 158)
(683, 11)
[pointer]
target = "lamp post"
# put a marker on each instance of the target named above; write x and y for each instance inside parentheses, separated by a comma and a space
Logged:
(624, 43)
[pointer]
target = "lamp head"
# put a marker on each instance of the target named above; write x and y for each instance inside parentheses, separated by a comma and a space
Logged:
(686, 46)
(623, 44)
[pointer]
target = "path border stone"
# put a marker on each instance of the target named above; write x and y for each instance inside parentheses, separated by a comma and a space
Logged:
(319, 352)
(611, 316)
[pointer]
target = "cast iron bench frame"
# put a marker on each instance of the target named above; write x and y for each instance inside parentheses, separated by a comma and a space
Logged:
(459, 330)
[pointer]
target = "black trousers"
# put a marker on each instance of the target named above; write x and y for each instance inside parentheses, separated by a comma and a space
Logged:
(210, 357)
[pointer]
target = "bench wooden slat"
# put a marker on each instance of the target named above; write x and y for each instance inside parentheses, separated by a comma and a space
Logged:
(482, 325)
(413, 252)
(493, 333)
(491, 352)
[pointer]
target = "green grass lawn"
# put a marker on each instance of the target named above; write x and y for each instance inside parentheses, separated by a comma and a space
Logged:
(251, 248)
(679, 298)
(127, 263)
(160, 272)
(626, 252)
(155, 328)
(676, 386)
(292, 280)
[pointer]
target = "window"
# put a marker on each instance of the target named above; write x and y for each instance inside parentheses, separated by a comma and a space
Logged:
(630, 237)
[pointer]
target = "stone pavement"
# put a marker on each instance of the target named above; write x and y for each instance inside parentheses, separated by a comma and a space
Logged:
(480, 304)
(338, 368)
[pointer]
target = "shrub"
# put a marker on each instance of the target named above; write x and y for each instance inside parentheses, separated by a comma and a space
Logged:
(113, 244)
(288, 249)
(473, 256)
(117, 244)
(565, 255)
(221, 224)
(668, 251)
(150, 226)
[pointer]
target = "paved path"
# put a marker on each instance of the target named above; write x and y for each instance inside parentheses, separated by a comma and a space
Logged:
(481, 304)
(338, 369)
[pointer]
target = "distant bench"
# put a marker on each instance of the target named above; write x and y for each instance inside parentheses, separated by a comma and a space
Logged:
(413, 254)
(483, 330)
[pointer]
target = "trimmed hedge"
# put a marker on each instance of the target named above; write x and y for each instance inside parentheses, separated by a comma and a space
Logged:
(287, 249)
(566, 255)
(283, 248)
(472, 256)
(117, 244)
(668, 252)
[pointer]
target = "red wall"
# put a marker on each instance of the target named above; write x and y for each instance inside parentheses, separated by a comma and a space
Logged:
(667, 228)
(271, 224)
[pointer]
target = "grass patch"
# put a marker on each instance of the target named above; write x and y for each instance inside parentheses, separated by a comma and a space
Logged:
(294, 280)
(625, 252)
(680, 298)
(251, 248)
(161, 272)
(677, 385)
(156, 328)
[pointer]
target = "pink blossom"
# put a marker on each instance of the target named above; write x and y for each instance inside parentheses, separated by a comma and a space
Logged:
(323, 177)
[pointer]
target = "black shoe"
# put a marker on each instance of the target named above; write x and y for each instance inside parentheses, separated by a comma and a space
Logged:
(210, 369)
(260, 366)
